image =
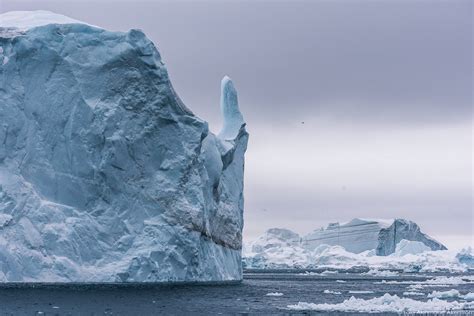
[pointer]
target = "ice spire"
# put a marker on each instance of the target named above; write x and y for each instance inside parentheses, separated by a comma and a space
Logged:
(233, 119)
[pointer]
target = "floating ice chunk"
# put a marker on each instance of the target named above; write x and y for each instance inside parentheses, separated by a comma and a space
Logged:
(450, 280)
(309, 273)
(414, 287)
(413, 293)
(233, 119)
(469, 296)
(324, 273)
(383, 273)
(385, 304)
(361, 292)
(331, 292)
(274, 294)
(445, 294)
(453, 293)
(441, 281)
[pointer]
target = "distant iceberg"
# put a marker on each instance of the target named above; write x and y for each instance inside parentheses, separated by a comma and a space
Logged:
(283, 248)
(359, 235)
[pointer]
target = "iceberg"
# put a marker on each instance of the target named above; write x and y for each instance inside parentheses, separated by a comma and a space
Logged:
(359, 235)
(466, 256)
(275, 237)
(105, 175)
(281, 248)
(278, 247)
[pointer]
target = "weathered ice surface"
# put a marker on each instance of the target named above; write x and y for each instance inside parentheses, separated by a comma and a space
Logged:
(359, 235)
(277, 245)
(105, 175)
(355, 236)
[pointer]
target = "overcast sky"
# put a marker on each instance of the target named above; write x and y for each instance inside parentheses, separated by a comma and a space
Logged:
(384, 89)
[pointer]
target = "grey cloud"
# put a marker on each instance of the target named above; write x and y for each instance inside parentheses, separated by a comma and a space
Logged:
(376, 66)
(392, 61)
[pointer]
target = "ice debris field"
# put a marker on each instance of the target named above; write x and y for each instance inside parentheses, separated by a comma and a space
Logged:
(386, 303)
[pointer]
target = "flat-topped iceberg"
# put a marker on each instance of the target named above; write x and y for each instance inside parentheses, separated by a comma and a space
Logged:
(105, 175)
(359, 235)
(282, 248)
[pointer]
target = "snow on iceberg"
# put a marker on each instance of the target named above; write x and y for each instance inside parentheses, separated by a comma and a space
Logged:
(25, 20)
(277, 247)
(275, 238)
(406, 247)
(386, 304)
(336, 258)
(105, 175)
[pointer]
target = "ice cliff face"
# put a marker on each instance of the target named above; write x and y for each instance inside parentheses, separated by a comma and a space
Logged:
(355, 236)
(105, 175)
(359, 235)
(400, 229)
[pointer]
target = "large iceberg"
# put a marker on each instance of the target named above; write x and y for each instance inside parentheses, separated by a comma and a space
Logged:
(105, 175)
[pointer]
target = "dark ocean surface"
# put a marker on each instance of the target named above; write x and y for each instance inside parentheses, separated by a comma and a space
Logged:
(246, 297)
